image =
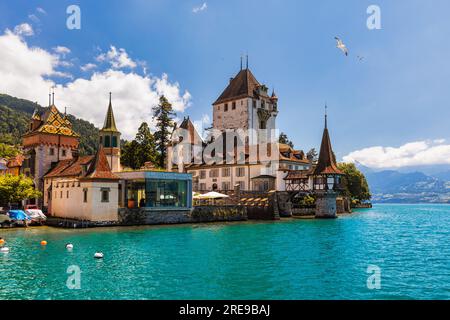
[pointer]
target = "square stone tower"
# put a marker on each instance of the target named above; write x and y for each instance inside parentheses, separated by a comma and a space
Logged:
(245, 104)
(49, 139)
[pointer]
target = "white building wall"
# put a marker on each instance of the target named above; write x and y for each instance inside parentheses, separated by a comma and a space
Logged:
(72, 205)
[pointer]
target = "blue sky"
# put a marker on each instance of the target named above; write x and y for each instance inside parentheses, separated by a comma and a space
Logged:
(396, 96)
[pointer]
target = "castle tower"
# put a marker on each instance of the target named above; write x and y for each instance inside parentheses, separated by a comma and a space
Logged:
(326, 178)
(245, 104)
(110, 139)
(49, 139)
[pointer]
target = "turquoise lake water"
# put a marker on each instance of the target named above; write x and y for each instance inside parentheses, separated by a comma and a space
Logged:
(289, 259)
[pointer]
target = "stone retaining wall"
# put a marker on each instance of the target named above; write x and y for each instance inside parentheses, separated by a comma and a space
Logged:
(143, 216)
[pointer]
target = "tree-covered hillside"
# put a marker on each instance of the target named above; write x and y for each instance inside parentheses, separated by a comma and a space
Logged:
(15, 114)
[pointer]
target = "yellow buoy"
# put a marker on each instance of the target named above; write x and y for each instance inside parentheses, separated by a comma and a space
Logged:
(43, 243)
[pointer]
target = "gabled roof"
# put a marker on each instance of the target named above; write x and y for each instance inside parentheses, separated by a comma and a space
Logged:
(97, 168)
(242, 85)
(194, 136)
(294, 155)
(70, 167)
(326, 163)
(110, 122)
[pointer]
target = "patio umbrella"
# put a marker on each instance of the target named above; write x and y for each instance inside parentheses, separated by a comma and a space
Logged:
(196, 195)
(213, 195)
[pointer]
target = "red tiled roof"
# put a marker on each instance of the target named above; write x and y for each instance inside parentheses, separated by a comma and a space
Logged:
(16, 161)
(69, 168)
(97, 168)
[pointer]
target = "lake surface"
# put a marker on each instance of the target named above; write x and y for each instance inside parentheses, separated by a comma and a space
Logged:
(289, 259)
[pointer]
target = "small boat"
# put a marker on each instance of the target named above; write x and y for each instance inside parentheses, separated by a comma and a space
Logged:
(19, 218)
(4, 249)
(98, 255)
(35, 214)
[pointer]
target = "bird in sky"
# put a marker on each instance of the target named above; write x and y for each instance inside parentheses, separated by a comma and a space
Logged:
(360, 58)
(340, 45)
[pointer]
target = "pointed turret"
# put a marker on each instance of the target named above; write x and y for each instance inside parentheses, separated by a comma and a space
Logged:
(110, 122)
(326, 178)
(326, 163)
(110, 139)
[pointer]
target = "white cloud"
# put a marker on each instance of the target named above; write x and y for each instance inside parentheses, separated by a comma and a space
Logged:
(61, 50)
(198, 9)
(202, 124)
(417, 153)
(26, 73)
(24, 29)
(34, 18)
(88, 66)
(40, 10)
(61, 74)
(117, 58)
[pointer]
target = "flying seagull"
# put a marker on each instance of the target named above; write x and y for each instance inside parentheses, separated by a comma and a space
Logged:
(340, 45)
(360, 58)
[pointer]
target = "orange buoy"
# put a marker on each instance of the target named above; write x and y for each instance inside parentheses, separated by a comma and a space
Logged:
(2, 242)
(43, 243)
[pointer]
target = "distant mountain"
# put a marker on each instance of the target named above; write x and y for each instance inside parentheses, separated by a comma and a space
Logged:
(15, 114)
(407, 187)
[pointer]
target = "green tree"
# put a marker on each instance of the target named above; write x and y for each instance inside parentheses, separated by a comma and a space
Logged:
(164, 114)
(130, 157)
(284, 139)
(312, 155)
(7, 151)
(14, 189)
(147, 147)
(354, 182)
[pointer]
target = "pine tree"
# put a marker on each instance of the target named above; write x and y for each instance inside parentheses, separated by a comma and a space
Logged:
(312, 155)
(163, 113)
(284, 139)
(129, 157)
(147, 147)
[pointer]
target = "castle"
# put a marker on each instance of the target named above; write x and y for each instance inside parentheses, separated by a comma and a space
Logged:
(242, 149)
